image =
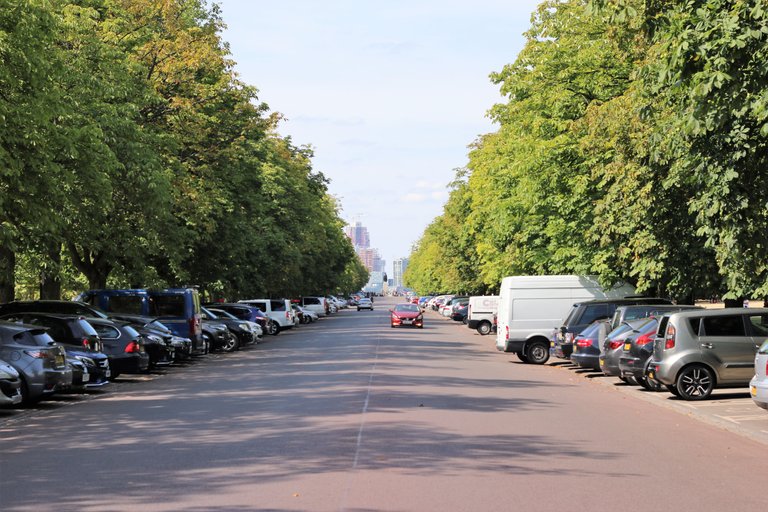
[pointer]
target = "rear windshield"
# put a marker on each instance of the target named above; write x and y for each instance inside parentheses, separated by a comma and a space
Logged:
(590, 330)
(167, 305)
(35, 338)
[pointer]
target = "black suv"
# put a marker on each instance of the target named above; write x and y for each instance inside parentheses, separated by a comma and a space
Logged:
(584, 313)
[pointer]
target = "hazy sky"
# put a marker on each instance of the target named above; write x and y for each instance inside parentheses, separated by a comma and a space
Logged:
(389, 94)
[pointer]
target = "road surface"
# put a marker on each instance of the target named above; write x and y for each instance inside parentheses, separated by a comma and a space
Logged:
(350, 415)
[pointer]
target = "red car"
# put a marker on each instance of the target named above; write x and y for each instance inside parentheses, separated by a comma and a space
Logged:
(406, 314)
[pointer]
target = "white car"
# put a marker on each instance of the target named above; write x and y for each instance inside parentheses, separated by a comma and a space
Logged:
(364, 304)
(758, 386)
(278, 310)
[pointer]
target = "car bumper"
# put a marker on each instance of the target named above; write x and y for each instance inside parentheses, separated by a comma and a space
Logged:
(586, 360)
(758, 389)
(132, 363)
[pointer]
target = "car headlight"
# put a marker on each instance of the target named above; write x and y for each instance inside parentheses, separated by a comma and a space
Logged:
(245, 327)
(86, 360)
(8, 372)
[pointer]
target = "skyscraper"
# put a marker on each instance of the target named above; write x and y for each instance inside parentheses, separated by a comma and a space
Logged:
(359, 235)
(398, 269)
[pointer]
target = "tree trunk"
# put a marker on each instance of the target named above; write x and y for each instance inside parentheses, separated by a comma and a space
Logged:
(50, 277)
(7, 275)
(93, 266)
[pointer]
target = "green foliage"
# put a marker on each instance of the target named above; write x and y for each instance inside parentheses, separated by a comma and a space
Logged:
(128, 120)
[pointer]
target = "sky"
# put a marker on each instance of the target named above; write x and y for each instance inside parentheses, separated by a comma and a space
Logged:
(389, 95)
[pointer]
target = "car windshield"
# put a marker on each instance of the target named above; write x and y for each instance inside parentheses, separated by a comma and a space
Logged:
(223, 314)
(413, 308)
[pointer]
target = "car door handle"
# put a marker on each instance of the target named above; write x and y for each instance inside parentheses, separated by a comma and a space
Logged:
(707, 345)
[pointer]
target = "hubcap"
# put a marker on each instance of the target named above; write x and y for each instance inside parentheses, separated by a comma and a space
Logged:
(696, 382)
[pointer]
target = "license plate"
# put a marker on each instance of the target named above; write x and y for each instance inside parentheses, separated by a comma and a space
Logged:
(651, 375)
(407, 322)
(602, 361)
(627, 347)
(86, 377)
(551, 343)
(753, 390)
(108, 373)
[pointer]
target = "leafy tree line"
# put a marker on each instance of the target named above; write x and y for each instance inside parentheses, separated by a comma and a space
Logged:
(632, 145)
(132, 155)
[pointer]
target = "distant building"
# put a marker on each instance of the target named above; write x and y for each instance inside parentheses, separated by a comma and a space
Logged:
(358, 234)
(398, 270)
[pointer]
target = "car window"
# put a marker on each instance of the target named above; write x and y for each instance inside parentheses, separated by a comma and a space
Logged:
(167, 305)
(594, 312)
(130, 331)
(36, 338)
(759, 325)
(130, 304)
(311, 300)
(413, 308)
(107, 331)
(278, 305)
(731, 325)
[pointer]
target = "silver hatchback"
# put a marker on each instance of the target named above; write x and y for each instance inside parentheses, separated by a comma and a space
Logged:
(695, 352)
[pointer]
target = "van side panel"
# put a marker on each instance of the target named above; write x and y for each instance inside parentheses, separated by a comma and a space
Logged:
(536, 305)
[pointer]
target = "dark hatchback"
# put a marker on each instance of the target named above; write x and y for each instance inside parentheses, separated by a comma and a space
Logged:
(79, 339)
(123, 345)
(163, 347)
(41, 363)
(586, 345)
(245, 312)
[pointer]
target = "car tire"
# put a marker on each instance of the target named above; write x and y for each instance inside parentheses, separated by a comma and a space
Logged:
(206, 344)
(695, 382)
(272, 328)
(537, 353)
(484, 328)
(522, 357)
(231, 344)
(358, 309)
(672, 389)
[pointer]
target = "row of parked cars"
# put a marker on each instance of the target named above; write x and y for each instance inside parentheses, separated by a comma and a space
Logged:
(47, 347)
(686, 350)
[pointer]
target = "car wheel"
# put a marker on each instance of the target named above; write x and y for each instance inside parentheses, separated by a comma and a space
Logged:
(272, 328)
(484, 328)
(230, 344)
(538, 353)
(695, 382)
(522, 357)
(358, 309)
(206, 344)
(26, 398)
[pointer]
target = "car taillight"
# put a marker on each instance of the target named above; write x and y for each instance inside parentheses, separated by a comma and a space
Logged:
(194, 325)
(644, 340)
(40, 354)
(613, 345)
(584, 343)
(287, 315)
(507, 332)
(133, 347)
(669, 339)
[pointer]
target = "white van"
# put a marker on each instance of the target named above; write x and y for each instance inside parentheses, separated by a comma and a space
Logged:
(532, 307)
(481, 314)
(316, 304)
(279, 310)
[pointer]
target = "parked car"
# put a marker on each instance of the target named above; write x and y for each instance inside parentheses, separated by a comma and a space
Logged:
(246, 312)
(708, 349)
(613, 346)
(758, 386)
(459, 311)
(306, 316)
(163, 347)
(10, 385)
(584, 313)
(406, 314)
(278, 310)
(481, 315)
(254, 327)
(637, 350)
(123, 345)
(240, 332)
(40, 362)
(586, 345)
(80, 341)
(364, 303)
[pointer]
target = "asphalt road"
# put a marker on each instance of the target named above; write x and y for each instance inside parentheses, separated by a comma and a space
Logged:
(350, 415)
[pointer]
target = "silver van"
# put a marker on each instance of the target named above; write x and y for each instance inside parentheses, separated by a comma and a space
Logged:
(695, 352)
